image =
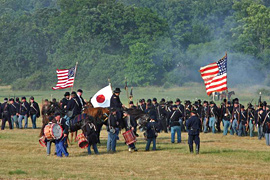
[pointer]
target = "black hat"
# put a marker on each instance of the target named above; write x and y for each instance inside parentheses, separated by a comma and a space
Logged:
(235, 101)
(74, 93)
(242, 106)
(131, 102)
(51, 118)
(155, 99)
(149, 100)
(143, 100)
(260, 109)
(174, 106)
(199, 101)
(23, 97)
(67, 94)
(17, 99)
(140, 101)
(177, 100)
(212, 102)
(196, 103)
(32, 98)
(205, 102)
(46, 100)
(170, 102)
(53, 99)
(163, 99)
(264, 103)
(5, 99)
(57, 114)
(79, 90)
(229, 102)
(11, 99)
(117, 90)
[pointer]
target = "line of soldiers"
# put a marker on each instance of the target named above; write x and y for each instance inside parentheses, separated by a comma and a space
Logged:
(234, 116)
(14, 112)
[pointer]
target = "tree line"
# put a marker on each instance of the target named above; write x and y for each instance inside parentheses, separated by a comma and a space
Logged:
(151, 42)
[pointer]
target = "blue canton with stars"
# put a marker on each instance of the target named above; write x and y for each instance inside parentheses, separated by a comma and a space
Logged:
(222, 66)
(71, 72)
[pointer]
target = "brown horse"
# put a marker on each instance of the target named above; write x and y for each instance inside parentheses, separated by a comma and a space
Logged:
(100, 116)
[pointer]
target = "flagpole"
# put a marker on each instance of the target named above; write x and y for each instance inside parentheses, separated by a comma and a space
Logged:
(126, 88)
(74, 75)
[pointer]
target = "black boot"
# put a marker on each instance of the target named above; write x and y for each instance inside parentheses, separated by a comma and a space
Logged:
(197, 149)
(191, 149)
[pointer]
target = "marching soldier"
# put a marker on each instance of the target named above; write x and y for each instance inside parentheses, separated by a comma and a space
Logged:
(14, 112)
(193, 127)
(260, 118)
(162, 116)
(251, 119)
(23, 113)
(235, 117)
(173, 122)
(213, 116)
(34, 112)
(242, 122)
(205, 116)
(181, 109)
(226, 117)
(6, 116)
(266, 126)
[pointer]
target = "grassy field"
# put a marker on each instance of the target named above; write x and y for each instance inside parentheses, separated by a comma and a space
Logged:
(222, 157)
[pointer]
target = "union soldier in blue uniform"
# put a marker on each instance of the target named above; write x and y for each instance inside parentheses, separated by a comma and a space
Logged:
(116, 103)
(65, 101)
(113, 130)
(242, 122)
(142, 105)
(226, 117)
(193, 127)
(151, 133)
(34, 112)
(24, 113)
(266, 126)
(130, 124)
(251, 119)
(6, 116)
(60, 143)
(73, 106)
(173, 122)
(14, 112)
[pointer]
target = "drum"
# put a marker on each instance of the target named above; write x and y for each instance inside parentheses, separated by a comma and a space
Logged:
(53, 131)
(82, 141)
(129, 137)
(42, 141)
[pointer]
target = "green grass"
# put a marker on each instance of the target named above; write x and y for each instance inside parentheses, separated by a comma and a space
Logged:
(221, 157)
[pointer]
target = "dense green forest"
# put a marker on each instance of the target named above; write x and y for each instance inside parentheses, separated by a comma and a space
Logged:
(151, 42)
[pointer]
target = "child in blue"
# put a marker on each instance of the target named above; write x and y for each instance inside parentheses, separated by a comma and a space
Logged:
(151, 133)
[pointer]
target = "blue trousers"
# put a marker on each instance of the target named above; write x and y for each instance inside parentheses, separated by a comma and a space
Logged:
(242, 130)
(212, 123)
(234, 127)
(60, 147)
(260, 132)
(34, 119)
(14, 120)
(267, 138)
(251, 131)
(205, 130)
(194, 138)
(111, 142)
(149, 142)
(49, 145)
(176, 129)
(21, 117)
(226, 125)
(94, 147)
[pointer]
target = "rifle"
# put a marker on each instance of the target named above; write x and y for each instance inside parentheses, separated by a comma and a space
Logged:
(247, 128)
(239, 116)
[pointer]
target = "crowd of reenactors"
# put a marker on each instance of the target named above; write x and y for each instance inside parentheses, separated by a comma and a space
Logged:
(164, 116)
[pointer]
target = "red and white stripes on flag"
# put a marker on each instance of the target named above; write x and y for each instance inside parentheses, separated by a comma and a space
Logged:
(65, 78)
(215, 76)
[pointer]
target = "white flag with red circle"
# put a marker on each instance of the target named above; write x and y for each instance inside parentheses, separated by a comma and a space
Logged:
(102, 97)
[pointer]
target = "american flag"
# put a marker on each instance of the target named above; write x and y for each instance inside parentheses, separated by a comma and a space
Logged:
(215, 76)
(65, 78)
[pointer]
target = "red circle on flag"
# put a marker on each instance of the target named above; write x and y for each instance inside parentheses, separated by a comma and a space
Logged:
(100, 98)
